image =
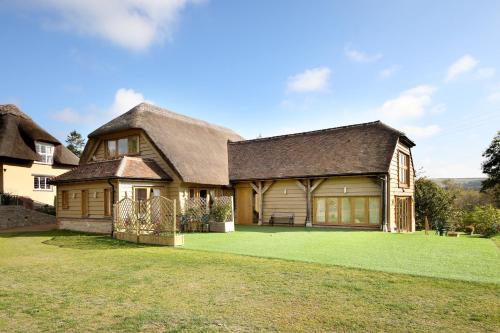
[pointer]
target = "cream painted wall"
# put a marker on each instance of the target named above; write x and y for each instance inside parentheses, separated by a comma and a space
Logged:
(18, 180)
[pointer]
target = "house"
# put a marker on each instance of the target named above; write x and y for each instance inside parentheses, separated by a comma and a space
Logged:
(148, 151)
(353, 176)
(30, 157)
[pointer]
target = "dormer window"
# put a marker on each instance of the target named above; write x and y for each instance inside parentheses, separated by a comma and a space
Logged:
(123, 146)
(46, 152)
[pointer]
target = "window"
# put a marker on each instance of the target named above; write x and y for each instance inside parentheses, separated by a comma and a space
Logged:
(360, 210)
(107, 202)
(404, 170)
(46, 152)
(41, 183)
(123, 146)
(320, 210)
(347, 210)
(65, 199)
(84, 202)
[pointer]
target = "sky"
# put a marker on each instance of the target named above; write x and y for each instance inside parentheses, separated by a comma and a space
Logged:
(263, 68)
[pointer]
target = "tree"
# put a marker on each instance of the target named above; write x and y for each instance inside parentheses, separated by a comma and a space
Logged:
(491, 167)
(431, 202)
(75, 143)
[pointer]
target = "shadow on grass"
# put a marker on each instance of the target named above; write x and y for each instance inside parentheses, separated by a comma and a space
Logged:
(77, 240)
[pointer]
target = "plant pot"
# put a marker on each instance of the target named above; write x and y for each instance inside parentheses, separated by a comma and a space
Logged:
(221, 226)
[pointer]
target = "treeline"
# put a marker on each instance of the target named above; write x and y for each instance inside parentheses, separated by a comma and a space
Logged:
(456, 208)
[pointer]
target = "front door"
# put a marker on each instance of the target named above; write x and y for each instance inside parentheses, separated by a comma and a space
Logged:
(403, 214)
(244, 205)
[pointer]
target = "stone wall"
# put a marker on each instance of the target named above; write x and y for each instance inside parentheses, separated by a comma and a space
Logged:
(98, 226)
(18, 216)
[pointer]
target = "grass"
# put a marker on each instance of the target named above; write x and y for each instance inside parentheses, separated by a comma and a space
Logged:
(463, 258)
(68, 282)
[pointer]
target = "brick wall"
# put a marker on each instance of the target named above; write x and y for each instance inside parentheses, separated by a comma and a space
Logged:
(18, 216)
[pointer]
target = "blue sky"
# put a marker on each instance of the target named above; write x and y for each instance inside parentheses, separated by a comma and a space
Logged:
(429, 68)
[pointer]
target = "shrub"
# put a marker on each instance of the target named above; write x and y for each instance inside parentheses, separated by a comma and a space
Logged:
(432, 201)
(485, 219)
(220, 211)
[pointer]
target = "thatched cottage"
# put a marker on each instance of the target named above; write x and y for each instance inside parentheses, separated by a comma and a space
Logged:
(30, 157)
(354, 176)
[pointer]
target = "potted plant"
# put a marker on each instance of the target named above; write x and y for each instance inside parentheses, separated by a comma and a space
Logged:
(221, 217)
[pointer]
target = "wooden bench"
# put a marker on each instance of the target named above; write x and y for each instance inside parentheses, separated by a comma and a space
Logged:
(281, 218)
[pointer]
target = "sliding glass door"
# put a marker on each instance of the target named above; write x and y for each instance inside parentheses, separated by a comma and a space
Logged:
(359, 210)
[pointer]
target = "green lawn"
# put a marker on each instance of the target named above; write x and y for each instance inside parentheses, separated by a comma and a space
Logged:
(62, 282)
(464, 258)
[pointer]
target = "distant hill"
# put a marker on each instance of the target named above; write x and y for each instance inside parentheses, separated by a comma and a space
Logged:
(467, 183)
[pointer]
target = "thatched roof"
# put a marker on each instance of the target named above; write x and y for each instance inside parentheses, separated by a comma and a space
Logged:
(350, 150)
(18, 133)
(196, 150)
(122, 168)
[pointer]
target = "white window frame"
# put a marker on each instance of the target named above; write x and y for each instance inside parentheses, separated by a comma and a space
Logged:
(46, 152)
(40, 183)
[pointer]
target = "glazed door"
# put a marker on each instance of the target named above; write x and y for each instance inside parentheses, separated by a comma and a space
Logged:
(403, 214)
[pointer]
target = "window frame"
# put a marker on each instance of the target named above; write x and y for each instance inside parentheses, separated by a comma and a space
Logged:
(46, 158)
(116, 141)
(46, 187)
(351, 200)
(405, 168)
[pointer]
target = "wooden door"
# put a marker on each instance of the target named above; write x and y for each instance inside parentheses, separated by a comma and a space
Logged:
(244, 206)
(403, 214)
(85, 203)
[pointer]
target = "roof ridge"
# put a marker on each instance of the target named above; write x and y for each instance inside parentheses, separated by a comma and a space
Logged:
(148, 107)
(282, 136)
(13, 110)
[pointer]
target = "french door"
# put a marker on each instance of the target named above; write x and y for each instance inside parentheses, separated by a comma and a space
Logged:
(403, 214)
(354, 210)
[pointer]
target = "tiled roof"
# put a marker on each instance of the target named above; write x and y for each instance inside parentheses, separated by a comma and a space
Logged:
(123, 168)
(357, 149)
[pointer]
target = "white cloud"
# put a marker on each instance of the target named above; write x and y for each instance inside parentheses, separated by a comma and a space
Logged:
(418, 132)
(359, 56)
(494, 96)
(461, 66)
(389, 71)
(485, 72)
(409, 104)
(311, 80)
(69, 116)
(438, 109)
(125, 99)
(133, 24)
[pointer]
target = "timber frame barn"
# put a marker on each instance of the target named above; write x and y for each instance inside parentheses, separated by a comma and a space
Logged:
(357, 176)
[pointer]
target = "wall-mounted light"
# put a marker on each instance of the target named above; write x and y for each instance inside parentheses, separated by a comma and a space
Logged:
(345, 189)
(285, 191)
(95, 195)
(74, 195)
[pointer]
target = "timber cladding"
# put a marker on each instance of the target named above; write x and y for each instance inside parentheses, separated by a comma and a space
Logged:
(397, 190)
